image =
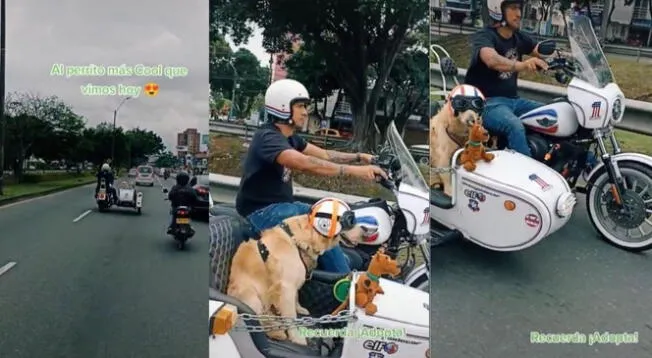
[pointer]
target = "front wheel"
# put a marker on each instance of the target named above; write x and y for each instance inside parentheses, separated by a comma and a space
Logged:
(628, 227)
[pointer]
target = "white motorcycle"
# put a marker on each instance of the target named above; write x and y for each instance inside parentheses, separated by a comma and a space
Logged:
(572, 129)
(401, 327)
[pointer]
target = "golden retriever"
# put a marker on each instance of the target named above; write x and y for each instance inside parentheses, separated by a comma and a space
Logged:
(271, 287)
(448, 133)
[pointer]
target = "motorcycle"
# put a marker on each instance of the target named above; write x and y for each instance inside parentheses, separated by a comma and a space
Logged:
(128, 197)
(181, 229)
(401, 225)
(570, 132)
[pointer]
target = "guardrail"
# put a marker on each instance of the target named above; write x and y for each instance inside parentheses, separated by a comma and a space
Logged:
(302, 194)
(247, 131)
(447, 29)
(638, 114)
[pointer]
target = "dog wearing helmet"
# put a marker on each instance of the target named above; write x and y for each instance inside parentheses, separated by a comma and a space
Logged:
(267, 273)
(496, 60)
(265, 197)
(449, 130)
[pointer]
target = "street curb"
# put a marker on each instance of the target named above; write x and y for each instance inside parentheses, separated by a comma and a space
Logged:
(19, 198)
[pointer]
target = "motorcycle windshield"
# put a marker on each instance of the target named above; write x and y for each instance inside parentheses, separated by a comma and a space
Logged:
(410, 173)
(592, 65)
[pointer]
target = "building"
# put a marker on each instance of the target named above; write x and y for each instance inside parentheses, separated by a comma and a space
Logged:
(188, 142)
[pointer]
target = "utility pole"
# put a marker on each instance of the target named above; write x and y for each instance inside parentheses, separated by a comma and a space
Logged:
(3, 27)
(115, 115)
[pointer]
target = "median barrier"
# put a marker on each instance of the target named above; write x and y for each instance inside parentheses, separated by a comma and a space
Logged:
(638, 114)
(303, 194)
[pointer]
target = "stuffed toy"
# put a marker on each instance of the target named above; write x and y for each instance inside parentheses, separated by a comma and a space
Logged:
(367, 286)
(474, 149)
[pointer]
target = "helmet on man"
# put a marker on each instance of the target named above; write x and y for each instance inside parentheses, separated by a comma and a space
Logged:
(280, 96)
(497, 9)
(183, 178)
(106, 167)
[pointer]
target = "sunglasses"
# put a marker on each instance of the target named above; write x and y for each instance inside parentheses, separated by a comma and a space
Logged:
(465, 103)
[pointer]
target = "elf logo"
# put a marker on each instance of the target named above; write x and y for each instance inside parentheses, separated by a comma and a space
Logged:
(380, 346)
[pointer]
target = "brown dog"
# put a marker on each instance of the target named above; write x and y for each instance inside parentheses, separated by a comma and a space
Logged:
(474, 149)
(448, 133)
(271, 286)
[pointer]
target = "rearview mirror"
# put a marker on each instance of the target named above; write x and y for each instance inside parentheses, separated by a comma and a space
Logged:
(547, 47)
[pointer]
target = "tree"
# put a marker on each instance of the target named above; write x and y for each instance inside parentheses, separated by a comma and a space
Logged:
(350, 35)
(252, 78)
(167, 160)
(141, 144)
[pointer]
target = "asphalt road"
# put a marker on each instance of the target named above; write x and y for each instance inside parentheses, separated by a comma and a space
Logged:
(88, 284)
(487, 303)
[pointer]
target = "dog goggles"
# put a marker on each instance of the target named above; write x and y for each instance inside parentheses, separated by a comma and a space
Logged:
(465, 103)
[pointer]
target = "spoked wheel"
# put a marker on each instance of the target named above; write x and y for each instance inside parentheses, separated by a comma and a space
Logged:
(629, 226)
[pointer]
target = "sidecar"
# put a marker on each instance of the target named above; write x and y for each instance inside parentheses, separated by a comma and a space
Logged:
(508, 204)
(129, 197)
(401, 326)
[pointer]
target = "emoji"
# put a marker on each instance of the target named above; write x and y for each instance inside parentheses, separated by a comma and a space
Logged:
(151, 89)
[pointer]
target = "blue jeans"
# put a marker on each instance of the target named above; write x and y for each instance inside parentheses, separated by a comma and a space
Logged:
(501, 116)
(332, 260)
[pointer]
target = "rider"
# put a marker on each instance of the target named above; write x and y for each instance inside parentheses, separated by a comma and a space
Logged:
(265, 196)
(181, 194)
(106, 174)
(495, 63)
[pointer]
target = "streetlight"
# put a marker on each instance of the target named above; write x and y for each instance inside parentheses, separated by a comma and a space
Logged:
(235, 86)
(2, 93)
(115, 115)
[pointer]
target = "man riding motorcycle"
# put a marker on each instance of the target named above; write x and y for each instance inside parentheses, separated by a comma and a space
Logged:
(496, 60)
(265, 196)
(106, 174)
(181, 194)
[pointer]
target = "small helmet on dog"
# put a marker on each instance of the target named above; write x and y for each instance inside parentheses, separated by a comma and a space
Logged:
(329, 216)
(465, 97)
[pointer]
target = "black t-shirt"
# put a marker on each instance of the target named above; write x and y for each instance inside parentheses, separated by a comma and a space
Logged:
(493, 83)
(264, 181)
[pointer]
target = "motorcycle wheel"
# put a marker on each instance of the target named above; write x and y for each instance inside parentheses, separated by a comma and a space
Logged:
(614, 225)
(139, 211)
(181, 244)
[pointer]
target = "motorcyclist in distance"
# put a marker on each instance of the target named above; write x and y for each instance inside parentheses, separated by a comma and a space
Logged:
(496, 61)
(265, 196)
(106, 173)
(181, 194)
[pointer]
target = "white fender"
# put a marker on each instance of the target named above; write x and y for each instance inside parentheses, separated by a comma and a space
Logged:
(629, 157)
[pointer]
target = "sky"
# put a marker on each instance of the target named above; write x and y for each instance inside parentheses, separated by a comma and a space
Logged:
(111, 33)
(255, 45)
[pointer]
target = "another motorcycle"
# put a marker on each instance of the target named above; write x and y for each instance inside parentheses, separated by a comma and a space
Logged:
(182, 231)
(128, 197)
(569, 135)
(401, 226)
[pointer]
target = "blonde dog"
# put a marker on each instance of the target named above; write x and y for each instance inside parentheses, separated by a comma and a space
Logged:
(270, 285)
(449, 131)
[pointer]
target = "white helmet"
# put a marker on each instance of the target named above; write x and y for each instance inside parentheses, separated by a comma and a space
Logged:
(106, 167)
(281, 95)
(496, 9)
(329, 216)
(465, 97)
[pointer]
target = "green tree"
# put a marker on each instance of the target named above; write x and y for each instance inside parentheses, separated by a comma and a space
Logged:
(167, 160)
(140, 144)
(350, 35)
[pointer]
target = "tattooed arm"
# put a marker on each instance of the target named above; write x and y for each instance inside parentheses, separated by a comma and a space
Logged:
(298, 161)
(331, 155)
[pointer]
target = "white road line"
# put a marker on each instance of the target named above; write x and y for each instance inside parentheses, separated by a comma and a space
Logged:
(82, 215)
(7, 267)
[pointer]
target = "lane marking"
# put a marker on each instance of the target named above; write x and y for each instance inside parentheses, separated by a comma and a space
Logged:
(7, 267)
(82, 215)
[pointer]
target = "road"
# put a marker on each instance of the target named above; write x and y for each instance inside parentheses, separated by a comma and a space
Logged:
(487, 303)
(99, 285)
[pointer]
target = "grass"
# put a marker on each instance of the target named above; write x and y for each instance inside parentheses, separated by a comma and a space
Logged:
(632, 77)
(13, 191)
(227, 155)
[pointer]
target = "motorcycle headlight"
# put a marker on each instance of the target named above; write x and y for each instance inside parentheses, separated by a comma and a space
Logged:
(565, 204)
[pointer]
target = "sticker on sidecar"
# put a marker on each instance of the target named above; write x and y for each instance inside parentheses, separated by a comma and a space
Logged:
(376, 355)
(540, 182)
(380, 346)
(474, 205)
(476, 195)
(532, 220)
(472, 187)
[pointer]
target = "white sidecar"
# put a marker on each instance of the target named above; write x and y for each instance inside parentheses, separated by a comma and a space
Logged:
(508, 204)
(400, 328)
(129, 197)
